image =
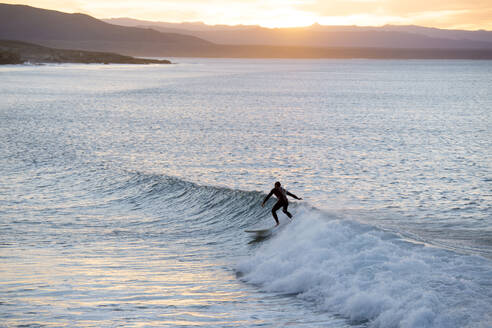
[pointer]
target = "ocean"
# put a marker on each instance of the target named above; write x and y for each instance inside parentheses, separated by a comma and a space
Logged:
(125, 191)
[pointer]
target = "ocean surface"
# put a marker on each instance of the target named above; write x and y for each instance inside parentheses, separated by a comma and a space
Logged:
(125, 192)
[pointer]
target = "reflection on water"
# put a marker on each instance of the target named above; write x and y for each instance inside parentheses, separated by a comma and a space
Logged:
(104, 284)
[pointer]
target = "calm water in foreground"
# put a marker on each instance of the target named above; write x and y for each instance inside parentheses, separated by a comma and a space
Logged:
(125, 192)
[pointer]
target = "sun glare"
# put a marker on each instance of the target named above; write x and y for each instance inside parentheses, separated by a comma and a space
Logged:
(287, 18)
(284, 13)
(361, 20)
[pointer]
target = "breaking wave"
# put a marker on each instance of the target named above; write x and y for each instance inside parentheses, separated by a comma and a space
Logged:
(346, 268)
(370, 276)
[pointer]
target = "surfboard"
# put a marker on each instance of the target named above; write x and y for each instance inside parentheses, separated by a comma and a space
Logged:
(267, 231)
(262, 232)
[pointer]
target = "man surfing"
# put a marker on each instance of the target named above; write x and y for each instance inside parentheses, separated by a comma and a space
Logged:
(282, 201)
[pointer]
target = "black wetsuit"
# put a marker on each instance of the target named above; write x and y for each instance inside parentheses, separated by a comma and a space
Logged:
(282, 201)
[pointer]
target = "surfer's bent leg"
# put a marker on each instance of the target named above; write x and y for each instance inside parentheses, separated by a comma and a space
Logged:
(275, 208)
(284, 209)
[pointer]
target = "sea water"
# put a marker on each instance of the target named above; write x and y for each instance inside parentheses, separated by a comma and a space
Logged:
(125, 191)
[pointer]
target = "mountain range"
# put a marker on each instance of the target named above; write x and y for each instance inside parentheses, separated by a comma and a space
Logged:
(389, 36)
(159, 39)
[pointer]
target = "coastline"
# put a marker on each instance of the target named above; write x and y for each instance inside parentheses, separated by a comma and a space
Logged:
(18, 52)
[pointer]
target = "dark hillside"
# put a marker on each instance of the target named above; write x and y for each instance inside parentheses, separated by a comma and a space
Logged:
(79, 31)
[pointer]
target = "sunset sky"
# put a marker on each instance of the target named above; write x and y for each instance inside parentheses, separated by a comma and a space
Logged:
(453, 14)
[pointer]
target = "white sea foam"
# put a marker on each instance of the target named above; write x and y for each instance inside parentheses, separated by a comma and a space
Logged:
(368, 275)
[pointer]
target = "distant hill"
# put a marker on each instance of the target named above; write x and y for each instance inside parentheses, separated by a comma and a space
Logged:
(82, 32)
(18, 52)
(479, 35)
(388, 36)
(79, 31)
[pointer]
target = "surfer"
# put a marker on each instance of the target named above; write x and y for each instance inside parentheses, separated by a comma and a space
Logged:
(282, 201)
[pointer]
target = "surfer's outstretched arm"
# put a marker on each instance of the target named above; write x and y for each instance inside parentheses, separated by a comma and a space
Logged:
(292, 195)
(266, 198)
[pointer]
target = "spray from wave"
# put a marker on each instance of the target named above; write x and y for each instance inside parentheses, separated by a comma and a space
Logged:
(370, 276)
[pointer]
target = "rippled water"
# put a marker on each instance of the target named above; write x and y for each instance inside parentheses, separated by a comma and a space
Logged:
(125, 191)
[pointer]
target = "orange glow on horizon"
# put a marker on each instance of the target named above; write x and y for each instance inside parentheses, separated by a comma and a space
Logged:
(454, 14)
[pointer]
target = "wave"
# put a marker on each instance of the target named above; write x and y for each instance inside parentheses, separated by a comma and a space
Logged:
(179, 203)
(370, 276)
(340, 266)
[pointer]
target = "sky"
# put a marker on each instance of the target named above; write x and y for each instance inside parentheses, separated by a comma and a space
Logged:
(450, 14)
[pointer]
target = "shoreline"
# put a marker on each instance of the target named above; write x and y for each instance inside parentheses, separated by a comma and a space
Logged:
(18, 52)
